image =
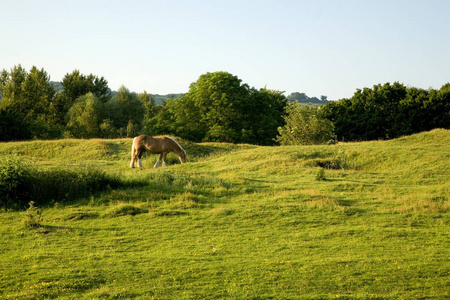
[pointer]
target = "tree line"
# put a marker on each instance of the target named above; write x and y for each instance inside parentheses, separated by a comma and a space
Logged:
(219, 107)
(389, 111)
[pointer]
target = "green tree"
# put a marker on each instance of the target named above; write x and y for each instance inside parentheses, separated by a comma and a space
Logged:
(85, 117)
(76, 85)
(438, 108)
(217, 98)
(263, 113)
(123, 108)
(219, 107)
(13, 127)
(149, 104)
(305, 125)
(30, 96)
(163, 122)
(370, 114)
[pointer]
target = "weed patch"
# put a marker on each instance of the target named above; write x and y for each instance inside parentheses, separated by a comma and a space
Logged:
(124, 210)
(33, 216)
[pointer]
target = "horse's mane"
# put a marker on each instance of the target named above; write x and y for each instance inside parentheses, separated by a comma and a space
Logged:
(176, 143)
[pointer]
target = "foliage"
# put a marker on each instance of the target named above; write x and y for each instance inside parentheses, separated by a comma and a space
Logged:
(220, 108)
(305, 126)
(33, 216)
(84, 117)
(13, 127)
(389, 111)
(149, 104)
(16, 178)
(320, 176)
(263, 113)
(28, 97)
(65, 185)
(123, 108)
(22, 182)
(76, 85)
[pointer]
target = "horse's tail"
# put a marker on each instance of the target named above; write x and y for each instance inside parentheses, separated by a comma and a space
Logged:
(133, 155)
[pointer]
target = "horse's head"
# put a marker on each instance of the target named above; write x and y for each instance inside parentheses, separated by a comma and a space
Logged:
(182, 156)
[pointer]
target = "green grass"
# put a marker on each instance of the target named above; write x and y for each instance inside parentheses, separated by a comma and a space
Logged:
(239, 222)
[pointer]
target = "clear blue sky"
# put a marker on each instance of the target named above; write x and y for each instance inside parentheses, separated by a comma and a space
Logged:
(317, 47)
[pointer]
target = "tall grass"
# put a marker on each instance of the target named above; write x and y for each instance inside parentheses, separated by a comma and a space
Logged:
(22, 182)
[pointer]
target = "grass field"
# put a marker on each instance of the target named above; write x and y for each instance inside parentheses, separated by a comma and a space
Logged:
(354, 221)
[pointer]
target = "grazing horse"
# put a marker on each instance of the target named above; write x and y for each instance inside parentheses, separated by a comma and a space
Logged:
(160, 146)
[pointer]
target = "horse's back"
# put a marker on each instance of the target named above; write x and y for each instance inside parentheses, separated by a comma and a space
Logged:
(156, 145)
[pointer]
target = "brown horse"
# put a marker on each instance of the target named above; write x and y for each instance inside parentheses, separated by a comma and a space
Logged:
(160, 146)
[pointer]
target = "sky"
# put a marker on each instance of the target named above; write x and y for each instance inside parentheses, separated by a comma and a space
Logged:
(317, 47)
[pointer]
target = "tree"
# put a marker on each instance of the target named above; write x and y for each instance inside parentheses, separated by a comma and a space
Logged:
(123, 108)
(164, 121)
(30, 96)
(370, 114)
(217, 98)
(305, 125)
(84, 117)
(149, 104)
(263, 113)
(389, 111)
(13, 127)
(219, 107)
(76, 85)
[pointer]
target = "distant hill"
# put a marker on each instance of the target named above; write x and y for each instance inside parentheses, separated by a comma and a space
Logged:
(303, 98)
(159, 99)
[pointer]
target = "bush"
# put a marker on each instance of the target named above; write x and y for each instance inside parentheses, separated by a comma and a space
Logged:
(22, 182)
(33, 216)
(320, 176)
(66, 185)
(16, 179)
(305, 125)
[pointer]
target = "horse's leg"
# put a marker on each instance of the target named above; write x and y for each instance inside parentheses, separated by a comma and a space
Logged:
(164, 159)
(132, 161)
(139, 157)
(157, 162)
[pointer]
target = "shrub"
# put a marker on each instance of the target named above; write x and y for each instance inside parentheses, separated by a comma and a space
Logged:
(305, 125)
(66, 185)
(320, 176)
(33, 216)
(15, 183)
(22, 182)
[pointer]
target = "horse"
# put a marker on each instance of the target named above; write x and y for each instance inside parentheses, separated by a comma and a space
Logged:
(161, 146)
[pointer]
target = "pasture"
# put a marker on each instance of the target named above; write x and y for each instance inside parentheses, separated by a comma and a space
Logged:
(363, 220)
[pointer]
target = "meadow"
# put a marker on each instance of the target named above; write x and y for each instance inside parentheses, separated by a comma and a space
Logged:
(365, 220)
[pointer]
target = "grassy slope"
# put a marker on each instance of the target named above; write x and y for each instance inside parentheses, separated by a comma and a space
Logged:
(241, 221)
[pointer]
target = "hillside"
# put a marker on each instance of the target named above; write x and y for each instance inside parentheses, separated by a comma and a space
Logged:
(239, 221)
